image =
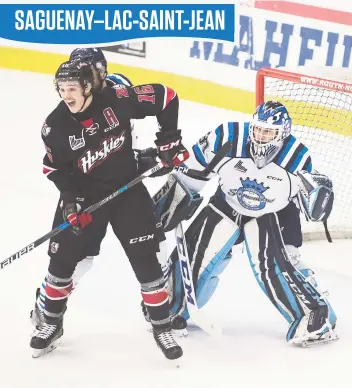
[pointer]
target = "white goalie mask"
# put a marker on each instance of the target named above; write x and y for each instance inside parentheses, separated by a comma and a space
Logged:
(270, 126)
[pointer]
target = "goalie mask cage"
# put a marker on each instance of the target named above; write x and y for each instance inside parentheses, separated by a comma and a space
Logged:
(321, 112)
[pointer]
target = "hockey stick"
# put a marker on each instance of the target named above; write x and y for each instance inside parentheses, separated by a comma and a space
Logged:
(223, 151)
(198, 316)
(30, 247)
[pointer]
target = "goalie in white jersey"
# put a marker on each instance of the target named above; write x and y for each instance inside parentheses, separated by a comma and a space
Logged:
(266, 172)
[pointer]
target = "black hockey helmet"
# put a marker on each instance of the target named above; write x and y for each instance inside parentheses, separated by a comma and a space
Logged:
(75, 70)
(93, 56)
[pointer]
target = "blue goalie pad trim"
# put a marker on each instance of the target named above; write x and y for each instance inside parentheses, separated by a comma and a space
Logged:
(199, 155)
(306, 272)
(209, 280)
(289, 294)
(292, 330)
(219, 131)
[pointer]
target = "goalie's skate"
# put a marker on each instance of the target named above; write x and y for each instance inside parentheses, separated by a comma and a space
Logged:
(167, 344)
(329, 335)
(46, 339)
(313, 329)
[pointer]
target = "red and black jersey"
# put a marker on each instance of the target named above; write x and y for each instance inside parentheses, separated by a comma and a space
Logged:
(90, 153)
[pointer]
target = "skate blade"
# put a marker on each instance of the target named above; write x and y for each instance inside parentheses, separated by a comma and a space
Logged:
(310, 344)
(41, 352)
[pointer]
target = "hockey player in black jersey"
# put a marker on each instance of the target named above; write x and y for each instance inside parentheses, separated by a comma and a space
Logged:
(144, 158)
(95, 57)
(89, 155)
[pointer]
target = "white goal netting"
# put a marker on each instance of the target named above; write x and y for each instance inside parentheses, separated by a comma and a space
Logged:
(321, 111)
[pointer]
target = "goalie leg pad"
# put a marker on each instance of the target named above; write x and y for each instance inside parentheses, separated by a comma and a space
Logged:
(296, 260)
(283, 284)
(310, 278)
(209, 278)
(209, 238)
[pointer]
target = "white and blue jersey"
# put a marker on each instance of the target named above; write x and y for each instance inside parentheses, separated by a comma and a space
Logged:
(250, 191)
(117, 79)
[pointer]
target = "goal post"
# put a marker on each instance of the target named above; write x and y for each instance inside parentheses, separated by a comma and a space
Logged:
(319, 102)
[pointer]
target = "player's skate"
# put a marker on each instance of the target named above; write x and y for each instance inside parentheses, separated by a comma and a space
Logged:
(178, 323)
(46, 338)
(313, 329)
(36, 315)
(167, 344)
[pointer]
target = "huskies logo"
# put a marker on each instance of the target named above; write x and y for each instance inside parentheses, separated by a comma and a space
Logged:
(92, 158)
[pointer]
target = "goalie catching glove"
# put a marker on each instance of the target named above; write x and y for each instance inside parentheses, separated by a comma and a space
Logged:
(71, 206)
(315, 196)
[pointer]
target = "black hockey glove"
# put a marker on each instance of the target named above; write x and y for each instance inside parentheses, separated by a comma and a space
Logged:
(146, 159)
(71, 211)
(170, 149)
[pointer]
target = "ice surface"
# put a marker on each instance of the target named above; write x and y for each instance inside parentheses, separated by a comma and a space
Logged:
(105, 342)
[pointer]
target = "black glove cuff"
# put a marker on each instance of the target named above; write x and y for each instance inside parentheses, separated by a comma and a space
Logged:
(168, 136)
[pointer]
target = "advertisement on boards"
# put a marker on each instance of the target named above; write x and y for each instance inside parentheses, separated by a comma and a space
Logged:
(273, 34)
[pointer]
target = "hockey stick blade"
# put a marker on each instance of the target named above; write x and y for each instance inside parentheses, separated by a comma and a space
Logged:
(197, 316)
(30, 247)
(223, 151)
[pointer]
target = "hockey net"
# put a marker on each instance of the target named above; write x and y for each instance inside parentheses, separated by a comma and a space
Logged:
(321, 111)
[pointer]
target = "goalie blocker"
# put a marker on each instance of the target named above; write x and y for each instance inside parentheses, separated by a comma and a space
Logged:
(175, 202)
